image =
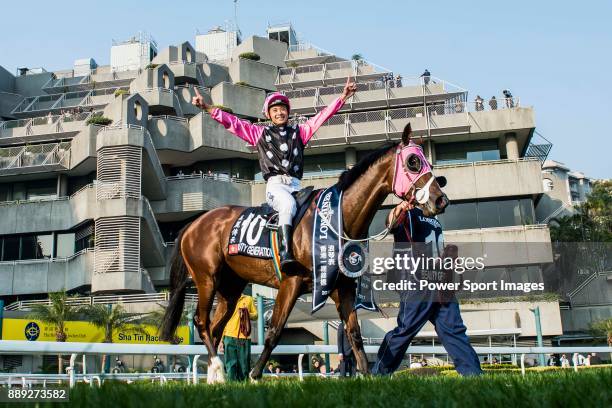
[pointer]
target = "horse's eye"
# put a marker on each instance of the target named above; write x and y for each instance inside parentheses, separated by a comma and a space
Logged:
(414, 163)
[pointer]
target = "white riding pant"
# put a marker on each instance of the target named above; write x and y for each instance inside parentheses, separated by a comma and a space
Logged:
(278, 196)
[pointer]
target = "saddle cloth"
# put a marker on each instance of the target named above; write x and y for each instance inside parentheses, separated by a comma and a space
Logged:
(250, 233)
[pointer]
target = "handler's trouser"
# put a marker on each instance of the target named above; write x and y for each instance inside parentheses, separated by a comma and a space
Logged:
(278, 196)
(237, 358)
(416, 308)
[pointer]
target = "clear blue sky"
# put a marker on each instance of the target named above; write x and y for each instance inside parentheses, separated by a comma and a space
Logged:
(555, 56)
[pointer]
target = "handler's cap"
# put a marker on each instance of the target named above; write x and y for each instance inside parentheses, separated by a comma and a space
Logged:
(274, 99)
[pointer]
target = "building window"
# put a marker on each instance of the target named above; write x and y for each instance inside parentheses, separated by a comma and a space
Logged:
(65, 245)
(10, 248)
(36, 246)
(6, 192)
(41, 189)
(459, 216)
(488, 214)
(137, 110)
(466, 152)
(166, 80)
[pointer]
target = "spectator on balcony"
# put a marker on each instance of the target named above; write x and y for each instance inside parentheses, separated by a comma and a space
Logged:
(426, 77)
(493, 103)
(479, 103)
(508, 97)
(49, 118)
(398, 81)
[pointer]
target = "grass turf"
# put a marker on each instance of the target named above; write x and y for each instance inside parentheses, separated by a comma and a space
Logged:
(565, 388)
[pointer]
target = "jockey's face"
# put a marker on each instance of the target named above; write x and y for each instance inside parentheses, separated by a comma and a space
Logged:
(278, 114)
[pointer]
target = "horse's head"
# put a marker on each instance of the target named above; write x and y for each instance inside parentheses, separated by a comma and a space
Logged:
(413, 177)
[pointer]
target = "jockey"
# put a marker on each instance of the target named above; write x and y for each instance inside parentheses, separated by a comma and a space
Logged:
(281, 153)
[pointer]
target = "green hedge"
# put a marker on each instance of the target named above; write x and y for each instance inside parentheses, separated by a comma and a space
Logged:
(122, 92)
(99, 120)
(250, 55)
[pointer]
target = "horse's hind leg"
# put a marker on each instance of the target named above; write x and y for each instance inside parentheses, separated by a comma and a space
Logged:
(344, 296)
(229, 291)
(206, 294)
(288, 293)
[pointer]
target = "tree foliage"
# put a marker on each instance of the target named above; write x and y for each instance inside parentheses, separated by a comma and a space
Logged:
(592, 220)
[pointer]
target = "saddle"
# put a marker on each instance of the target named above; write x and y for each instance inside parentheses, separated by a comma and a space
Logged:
(250, 234)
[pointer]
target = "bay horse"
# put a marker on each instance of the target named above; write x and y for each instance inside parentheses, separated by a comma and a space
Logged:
(201, 252)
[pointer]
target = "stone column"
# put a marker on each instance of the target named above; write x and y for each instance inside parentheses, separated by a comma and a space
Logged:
(511, 146)
(62, 185)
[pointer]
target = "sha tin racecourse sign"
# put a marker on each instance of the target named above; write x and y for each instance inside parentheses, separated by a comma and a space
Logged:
(83, 332)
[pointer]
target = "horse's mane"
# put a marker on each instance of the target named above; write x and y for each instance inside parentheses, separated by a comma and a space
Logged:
(348, 177)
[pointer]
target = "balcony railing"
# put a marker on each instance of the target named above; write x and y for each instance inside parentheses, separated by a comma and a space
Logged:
(540, 148)
(58, 102)
(104, 299)
(332, 72)
(68, 79)
(14, 131)
(35, 156)
(211, 177)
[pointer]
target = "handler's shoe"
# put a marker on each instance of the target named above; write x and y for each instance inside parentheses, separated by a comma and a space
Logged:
(287, 261)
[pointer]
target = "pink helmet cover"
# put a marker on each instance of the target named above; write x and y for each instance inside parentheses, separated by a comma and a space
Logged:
(276, 96)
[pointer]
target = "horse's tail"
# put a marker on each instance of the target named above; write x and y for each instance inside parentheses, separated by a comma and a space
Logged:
(179, 279)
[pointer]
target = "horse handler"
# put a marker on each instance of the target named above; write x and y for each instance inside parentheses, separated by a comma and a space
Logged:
(419, 306)
(237, 340)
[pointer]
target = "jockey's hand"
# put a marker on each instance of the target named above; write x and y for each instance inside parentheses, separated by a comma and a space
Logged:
(349, 89)
(198, 100)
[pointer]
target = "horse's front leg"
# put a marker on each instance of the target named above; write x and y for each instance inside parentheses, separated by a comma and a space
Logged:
(344, 296)
(288, 292)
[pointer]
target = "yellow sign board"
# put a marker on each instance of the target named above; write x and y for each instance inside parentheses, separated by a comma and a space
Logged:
(84, 332)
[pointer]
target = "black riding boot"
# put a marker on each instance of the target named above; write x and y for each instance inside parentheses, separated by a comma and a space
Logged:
(286, 247)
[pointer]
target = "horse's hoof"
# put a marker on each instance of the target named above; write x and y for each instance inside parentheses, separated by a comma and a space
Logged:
(254, 378)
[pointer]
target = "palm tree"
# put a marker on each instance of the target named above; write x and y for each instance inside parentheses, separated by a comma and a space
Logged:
(110, 319)
(357, 57)
(56, 313)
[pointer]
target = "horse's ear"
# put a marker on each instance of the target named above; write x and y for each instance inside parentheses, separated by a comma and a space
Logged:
(406, 134)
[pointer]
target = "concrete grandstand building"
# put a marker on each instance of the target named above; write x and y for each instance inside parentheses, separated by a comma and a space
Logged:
(95, 209)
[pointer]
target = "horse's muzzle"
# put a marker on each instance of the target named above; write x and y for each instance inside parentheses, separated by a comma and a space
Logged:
(441, 203)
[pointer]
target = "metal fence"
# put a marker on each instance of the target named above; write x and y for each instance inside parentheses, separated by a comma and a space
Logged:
(192, 375)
